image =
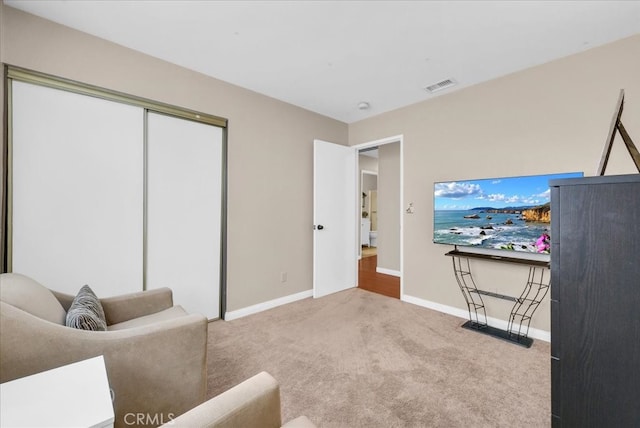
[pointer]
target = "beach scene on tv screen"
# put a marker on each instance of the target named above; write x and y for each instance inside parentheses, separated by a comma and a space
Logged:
(509, 213)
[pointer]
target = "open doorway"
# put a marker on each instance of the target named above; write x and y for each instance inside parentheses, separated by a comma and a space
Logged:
(337, 214)
(380, 206)
(368, 162)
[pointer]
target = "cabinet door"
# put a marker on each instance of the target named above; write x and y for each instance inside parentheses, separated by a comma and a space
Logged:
(77, 188)
(599, 296)
(184, 211)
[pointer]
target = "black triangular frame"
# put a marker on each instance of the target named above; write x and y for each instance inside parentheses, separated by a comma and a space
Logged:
(616, 125)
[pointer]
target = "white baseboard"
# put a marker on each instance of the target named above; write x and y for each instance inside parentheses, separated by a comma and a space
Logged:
(457, 312)
(461, 313)
(250, 310)
(388, 271)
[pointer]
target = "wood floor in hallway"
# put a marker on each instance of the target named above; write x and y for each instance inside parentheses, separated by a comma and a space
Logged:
(370, 280)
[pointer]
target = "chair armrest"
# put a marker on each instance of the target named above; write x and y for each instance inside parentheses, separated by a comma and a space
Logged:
(158, 370)
(127, 306)
(254, 403)
(65, 299)
(134, 305)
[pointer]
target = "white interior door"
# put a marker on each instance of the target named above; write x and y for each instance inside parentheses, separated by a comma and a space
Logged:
(184, 204)
(335, 232)
(77, 190)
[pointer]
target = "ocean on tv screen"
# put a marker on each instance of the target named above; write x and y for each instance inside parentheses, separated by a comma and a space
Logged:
(509, 213)
(489, 229)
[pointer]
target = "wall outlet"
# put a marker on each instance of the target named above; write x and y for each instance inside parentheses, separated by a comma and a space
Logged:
(283, 276)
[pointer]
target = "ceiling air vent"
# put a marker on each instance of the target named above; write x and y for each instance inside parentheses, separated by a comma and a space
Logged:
(444, 84)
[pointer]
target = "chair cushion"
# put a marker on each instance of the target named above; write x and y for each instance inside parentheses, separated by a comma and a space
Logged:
(86, 311)
(167, 314)
(28, 295)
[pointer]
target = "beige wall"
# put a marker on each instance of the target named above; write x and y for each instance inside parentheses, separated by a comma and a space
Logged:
(270, 156)
(367, 163)
(546, 119)
(389, 207)
(368, 181)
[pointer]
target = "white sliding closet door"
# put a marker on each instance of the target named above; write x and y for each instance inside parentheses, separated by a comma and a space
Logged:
(184, 194)
(77, 190)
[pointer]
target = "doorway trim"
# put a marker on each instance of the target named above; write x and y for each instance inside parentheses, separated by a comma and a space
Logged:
(381, 142)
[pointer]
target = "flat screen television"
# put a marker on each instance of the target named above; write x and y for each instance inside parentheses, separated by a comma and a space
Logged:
(507, 213)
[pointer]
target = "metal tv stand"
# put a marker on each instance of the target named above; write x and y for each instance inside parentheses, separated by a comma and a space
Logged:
(524, 306)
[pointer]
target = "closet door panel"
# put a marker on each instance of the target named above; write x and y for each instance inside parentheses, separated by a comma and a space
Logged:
(184, 193)
(77, 190)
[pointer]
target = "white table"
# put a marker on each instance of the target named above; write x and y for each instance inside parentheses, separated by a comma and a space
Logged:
(75, 395)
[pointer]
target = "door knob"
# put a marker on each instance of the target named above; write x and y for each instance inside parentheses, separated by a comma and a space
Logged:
(320, 227)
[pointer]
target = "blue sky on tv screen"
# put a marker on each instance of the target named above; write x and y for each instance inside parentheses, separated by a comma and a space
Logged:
(496, 193)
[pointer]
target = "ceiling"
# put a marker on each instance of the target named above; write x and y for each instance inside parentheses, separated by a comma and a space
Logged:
(329, 56)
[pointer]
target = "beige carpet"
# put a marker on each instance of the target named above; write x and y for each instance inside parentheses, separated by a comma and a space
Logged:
(359, 359)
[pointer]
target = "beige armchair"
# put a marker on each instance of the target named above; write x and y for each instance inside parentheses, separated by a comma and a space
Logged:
(254, 403)
(155, 353)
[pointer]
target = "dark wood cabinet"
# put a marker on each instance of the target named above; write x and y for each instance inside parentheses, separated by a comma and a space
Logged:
(595, 301)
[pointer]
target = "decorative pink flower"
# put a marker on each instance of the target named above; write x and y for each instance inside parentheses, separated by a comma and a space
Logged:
(543, 243)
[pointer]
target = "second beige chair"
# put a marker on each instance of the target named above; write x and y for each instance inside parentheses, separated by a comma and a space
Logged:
(254, 403)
